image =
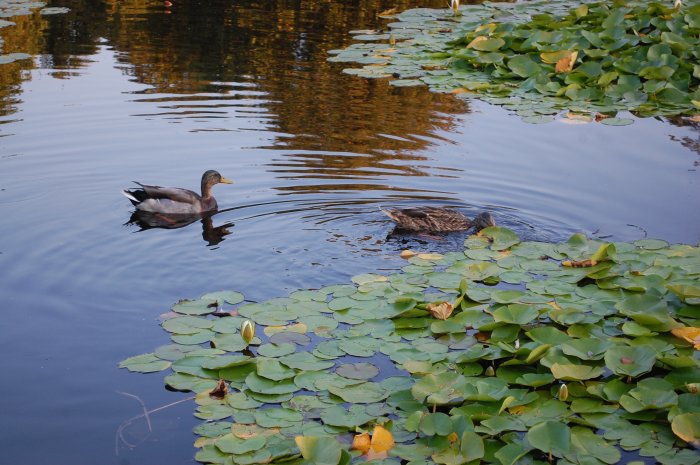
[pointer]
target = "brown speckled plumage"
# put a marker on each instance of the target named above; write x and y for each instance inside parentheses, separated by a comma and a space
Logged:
(436, 219)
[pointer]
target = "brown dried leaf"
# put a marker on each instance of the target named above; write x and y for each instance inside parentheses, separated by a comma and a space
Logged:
(389, 12)
(220, 391)
(441, 310)
(566, 64)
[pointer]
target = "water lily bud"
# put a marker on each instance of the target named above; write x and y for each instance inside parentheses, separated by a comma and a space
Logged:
(490, 371)
(517, 343)
(563, 392)
(247, 331)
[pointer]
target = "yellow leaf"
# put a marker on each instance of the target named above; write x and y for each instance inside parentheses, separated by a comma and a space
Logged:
(300, 328)
(247, 431)
(408, 253)
(517, 410)
(579, 264)
(389, 12)
(361, 442)
(579, 117)
(204, 441)
(690, 334)
(440, 310)
(553, 57)
(382, 439)
(430, 256)
(490, 26)
(476, 41)
(503, 254)
(566, 64)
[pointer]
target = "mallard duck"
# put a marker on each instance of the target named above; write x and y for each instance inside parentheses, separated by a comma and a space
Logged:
(436, 219)
(175, 200)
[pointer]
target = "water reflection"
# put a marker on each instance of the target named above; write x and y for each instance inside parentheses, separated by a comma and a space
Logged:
(212, 235)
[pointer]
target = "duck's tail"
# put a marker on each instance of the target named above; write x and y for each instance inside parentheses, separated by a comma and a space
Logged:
(129, 195)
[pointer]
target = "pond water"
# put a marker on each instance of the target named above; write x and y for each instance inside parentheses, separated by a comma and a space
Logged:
(158, 93)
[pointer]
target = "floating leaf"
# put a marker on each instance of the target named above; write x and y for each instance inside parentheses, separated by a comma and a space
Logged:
(630, 361)
(502, 238)
(146, 363)
(551, 437)
(320, 450)
(687, 427)
(690, 334)
(617, 121)
(358, 370)
(361, 442)
(566, 62)
(382, 440)
(440, 310)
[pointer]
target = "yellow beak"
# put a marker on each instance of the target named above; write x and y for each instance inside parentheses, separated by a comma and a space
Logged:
(225, 181)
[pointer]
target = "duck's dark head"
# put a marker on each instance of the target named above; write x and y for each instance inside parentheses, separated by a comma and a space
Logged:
(483, 220)
(210, 178)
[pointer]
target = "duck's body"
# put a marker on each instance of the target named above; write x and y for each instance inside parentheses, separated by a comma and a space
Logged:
(175, 200)
(436, 219)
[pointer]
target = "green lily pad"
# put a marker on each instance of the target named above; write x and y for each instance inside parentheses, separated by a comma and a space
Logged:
(258, 384)
(320, 450)
(357, 370)
(355, 416)
(274, 370)
(230, 297)
(551, 437)
(519, 314)
(232, 445)
(195, 307)
(364, 393)
(146, 363)
(630, 361)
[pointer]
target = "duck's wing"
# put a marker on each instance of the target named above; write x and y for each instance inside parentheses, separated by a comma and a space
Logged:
(433, 219)
(410, 219)
(175, 194)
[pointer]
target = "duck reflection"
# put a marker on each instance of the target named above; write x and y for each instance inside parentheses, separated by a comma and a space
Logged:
(211, 235)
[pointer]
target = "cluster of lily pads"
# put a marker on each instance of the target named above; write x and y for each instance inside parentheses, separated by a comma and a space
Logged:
(583, 352)
(12, 8)
(541, 58)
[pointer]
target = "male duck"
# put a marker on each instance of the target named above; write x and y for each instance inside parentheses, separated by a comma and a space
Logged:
(175, 200)
(436, 219)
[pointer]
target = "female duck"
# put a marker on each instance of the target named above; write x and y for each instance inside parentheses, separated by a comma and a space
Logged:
(436, 219)
(175, 200)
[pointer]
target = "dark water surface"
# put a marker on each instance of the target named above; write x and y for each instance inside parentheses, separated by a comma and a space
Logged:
(135, 90)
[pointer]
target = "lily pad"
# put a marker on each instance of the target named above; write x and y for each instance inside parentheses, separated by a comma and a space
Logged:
(146, 363)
